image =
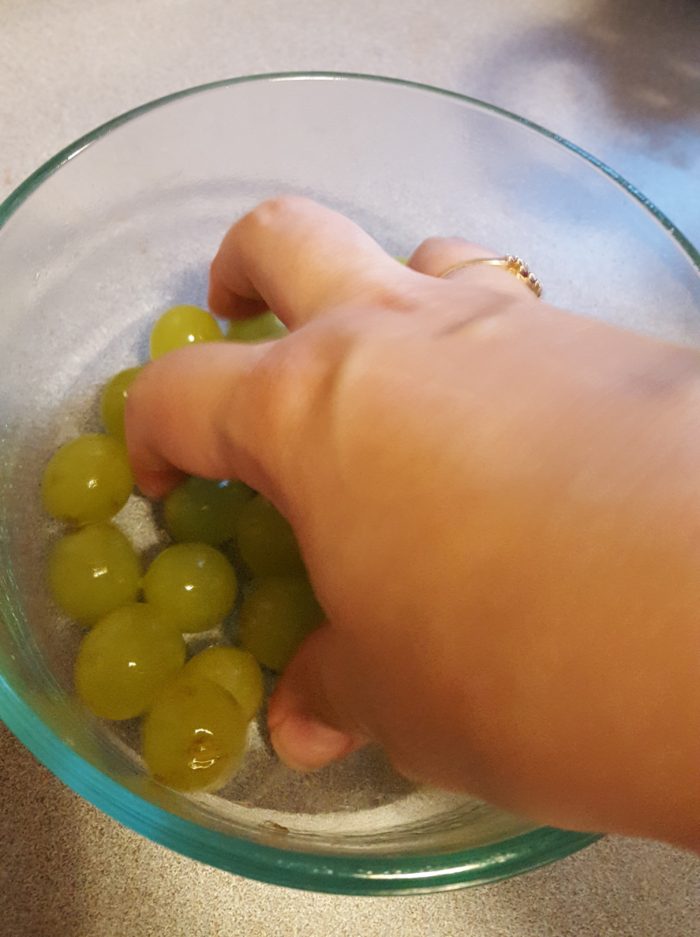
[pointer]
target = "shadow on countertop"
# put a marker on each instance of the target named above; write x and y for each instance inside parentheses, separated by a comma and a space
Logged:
(615, 888)
(642, 55)
(39, 874)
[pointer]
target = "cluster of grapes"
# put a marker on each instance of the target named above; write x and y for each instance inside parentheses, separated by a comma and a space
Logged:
(132, 661)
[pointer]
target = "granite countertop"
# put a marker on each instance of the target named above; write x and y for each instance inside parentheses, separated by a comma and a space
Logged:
(619, 77)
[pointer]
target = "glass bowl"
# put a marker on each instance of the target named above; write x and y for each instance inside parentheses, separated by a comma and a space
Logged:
(121, 225)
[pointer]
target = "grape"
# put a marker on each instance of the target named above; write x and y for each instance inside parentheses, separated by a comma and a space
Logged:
(87, 480)
(113, 401)
(180, 326)
(125, 660)
(260, 328)
(92, 571)
(205, 511)
(265, 540)
(275, 617)
(236, 670)
(194, 736)
(193, 584)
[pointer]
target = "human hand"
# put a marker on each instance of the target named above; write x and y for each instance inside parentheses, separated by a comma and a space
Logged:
(496, 505)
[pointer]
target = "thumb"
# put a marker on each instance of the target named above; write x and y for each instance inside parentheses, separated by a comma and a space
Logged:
(308, 717)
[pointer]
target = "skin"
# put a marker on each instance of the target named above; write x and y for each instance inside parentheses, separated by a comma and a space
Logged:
(498, 504)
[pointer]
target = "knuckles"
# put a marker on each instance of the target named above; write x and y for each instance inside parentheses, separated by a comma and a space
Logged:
(276, 213)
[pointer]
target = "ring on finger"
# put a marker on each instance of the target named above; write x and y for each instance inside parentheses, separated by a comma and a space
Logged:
(510, 263)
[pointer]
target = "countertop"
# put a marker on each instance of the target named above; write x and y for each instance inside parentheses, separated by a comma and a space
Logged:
(621, 78)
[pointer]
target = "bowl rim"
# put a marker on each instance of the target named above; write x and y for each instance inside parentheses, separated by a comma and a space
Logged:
(319, 872)
(340, 874)
(18, 195)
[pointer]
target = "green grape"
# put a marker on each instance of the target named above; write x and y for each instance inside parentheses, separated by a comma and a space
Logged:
(180, 326)
(194, 736)
(92, 571)
(236, 670)
(204, 511)
(260, 328)
(125, 660)
(275, 617)
(87, 480)
(265, 540)
(113, 401)
(193, 584)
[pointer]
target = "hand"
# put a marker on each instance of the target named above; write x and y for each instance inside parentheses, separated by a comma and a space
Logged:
(497, 503)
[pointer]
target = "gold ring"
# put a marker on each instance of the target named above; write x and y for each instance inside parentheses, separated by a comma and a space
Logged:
(510, 262)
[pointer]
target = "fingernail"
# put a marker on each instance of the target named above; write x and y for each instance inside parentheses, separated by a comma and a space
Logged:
(304, 744)
(157, 484)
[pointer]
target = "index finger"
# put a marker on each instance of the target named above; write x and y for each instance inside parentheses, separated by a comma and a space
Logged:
(298, 258)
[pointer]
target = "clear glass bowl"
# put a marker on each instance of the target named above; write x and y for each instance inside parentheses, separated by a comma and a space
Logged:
(123, 224)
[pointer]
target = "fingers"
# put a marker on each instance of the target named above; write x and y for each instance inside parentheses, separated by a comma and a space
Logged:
(309, 724)
(187, 412)
(298, 258)
(202, 411)
(436, 256)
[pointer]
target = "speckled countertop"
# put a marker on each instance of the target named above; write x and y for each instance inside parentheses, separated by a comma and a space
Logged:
(620, 78)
